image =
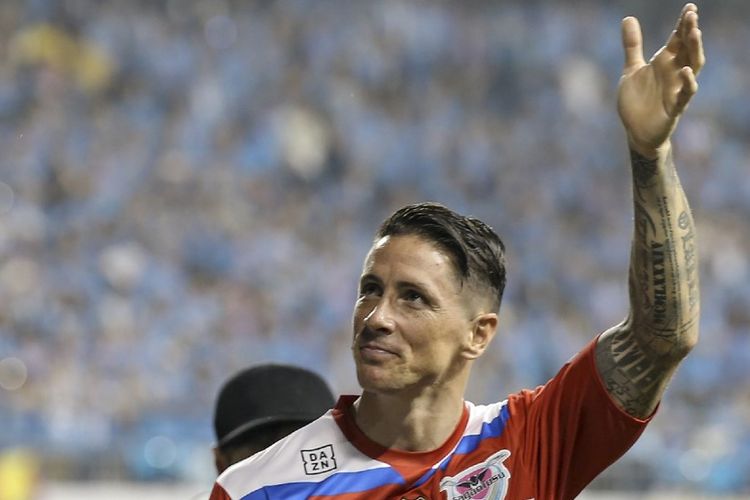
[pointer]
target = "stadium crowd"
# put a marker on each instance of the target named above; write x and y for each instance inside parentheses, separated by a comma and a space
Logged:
(187, 188)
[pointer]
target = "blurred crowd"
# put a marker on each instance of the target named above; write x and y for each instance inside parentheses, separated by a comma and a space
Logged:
(189, 187)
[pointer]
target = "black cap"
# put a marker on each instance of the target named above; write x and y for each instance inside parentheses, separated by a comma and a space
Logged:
(268, 394)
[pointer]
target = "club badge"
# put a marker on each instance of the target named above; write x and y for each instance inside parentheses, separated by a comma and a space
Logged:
(485, 481)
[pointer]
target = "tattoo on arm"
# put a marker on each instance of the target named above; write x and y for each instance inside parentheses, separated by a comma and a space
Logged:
(644, 170)
(637, 358)
(630, 376)
(635, 375)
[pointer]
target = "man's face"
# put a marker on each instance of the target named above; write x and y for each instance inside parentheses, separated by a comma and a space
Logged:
(411, 318)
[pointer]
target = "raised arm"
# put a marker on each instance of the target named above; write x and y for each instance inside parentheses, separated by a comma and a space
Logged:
(637, 358)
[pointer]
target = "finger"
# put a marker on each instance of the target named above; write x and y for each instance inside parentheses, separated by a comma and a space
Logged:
(688, 90)
(689, 22)
(678, 34)
(689, 50)
(695, 50)
(632, 44)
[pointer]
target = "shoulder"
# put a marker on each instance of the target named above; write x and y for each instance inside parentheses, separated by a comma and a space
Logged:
(287, 460)
(481, 416)
(578, 377)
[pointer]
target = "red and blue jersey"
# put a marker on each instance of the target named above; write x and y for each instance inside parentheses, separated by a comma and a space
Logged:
(543, 444)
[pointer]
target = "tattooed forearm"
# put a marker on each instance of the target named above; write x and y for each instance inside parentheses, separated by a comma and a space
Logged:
(664, 277)
(637, 358)
(644, 171)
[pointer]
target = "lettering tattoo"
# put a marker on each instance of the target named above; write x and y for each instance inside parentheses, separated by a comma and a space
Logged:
(629, 374)
(691, 261)
(637, 358)
(659, 282)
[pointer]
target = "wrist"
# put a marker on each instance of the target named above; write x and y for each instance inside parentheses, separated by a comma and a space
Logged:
(650, 152)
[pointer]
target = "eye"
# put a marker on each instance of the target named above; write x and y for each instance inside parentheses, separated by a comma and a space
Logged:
(368, 288)
(413, 296)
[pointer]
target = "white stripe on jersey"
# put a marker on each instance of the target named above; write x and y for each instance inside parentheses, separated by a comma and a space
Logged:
(283, 463)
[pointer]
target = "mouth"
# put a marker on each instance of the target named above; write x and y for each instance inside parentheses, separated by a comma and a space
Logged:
(375, 352)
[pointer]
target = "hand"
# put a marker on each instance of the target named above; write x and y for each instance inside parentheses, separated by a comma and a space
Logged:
(652, 96)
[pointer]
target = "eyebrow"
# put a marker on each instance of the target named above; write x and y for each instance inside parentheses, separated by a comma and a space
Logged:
(369, 277)
(400, 284)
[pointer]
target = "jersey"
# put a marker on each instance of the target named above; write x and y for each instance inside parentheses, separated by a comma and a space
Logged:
(545, 444)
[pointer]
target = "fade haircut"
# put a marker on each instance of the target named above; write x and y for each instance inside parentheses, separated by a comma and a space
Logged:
(477, 252)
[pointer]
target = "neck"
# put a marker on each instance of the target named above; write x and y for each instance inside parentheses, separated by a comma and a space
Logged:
(408, 422)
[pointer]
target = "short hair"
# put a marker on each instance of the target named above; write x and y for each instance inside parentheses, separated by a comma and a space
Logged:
(477, 252)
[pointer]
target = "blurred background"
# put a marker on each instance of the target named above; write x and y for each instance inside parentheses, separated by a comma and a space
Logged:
(189, 187)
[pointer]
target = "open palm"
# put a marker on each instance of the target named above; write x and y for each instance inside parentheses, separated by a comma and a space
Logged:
(652, 96)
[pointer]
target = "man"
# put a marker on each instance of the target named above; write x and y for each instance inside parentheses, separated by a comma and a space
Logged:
(427, 308)
(263, 404)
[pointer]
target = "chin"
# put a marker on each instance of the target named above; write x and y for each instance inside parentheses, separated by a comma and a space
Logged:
(377, 379)
(385, 379)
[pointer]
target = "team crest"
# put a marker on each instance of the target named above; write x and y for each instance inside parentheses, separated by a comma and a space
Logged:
(485, 481)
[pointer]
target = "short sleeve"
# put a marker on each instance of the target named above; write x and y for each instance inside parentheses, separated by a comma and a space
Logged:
(572, 430)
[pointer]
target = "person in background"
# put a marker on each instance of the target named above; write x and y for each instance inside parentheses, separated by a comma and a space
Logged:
(262, 404)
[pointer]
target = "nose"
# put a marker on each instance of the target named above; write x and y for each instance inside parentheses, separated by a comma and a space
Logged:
(380, 318)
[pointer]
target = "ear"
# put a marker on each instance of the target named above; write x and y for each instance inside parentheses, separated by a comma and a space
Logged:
(220, 461)
(483, 331)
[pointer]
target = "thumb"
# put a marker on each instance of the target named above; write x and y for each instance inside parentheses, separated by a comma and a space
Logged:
(632, 44)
